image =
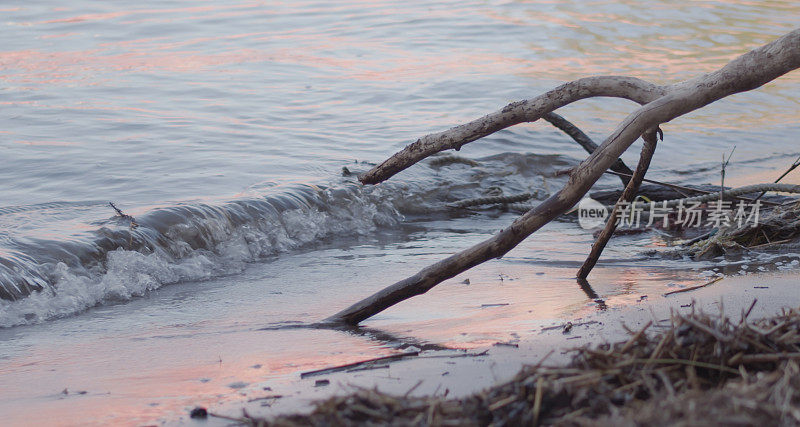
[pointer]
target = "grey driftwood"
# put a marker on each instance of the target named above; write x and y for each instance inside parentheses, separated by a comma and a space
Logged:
(659, 104)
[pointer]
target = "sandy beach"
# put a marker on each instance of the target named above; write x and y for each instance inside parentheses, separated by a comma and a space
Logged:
(454, 374)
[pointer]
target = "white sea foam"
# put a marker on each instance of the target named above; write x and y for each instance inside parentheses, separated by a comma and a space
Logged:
(226, 244)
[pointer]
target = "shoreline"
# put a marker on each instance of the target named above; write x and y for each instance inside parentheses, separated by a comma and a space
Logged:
(454, 374)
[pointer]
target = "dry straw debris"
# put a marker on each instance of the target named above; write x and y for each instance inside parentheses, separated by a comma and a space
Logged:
(697, 370)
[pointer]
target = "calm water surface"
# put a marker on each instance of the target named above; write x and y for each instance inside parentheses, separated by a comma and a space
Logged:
(223, 128)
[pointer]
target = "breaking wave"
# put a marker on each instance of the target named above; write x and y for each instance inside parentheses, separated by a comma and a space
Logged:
(56, 261)
(44, 279)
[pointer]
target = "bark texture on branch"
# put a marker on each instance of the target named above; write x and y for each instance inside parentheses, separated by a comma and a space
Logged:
(661, 104)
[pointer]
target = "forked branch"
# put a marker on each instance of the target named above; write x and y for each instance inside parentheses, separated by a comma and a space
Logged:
(660, 105)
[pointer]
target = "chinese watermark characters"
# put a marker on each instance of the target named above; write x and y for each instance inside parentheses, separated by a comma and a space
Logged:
(716, 213)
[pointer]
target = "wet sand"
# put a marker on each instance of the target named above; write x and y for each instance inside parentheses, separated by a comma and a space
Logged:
(455, 373)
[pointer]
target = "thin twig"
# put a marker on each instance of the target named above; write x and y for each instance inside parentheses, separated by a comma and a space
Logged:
(771, 357)
(537, 400)
(746, 314)
(241, 420)
(681, 189)
(628, 195)
(791, 168)
(635, 337)
(357, 364)
(706, 329)
(132, 224)
(412, 388)
(724, 165)
(694, 287)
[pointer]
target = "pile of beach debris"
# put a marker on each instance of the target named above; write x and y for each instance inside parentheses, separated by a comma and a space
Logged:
(777, 228)
(694, 369)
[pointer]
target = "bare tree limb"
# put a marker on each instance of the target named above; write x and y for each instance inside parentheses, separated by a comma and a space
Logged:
(650, 140)
(631, 88)
(662, 104)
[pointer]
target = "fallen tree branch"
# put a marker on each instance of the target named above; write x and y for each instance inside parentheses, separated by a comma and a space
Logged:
(661, 104)
(631, 88)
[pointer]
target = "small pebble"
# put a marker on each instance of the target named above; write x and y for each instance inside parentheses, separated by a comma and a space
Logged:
(198, 412)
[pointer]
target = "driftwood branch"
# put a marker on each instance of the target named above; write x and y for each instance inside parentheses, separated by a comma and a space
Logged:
(650, 140)
(634, 89)
(660, 105)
